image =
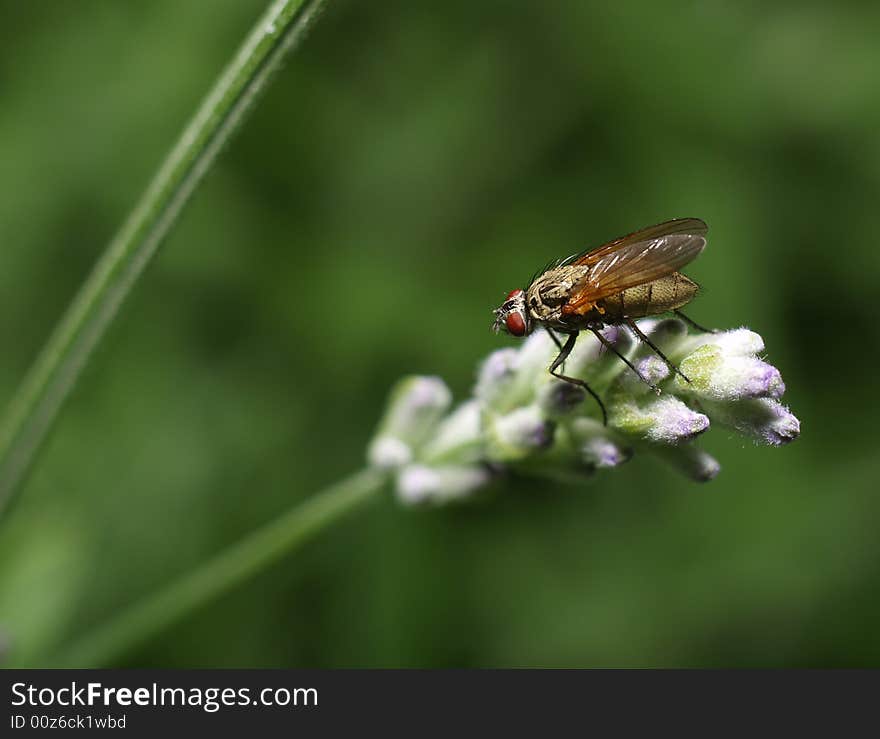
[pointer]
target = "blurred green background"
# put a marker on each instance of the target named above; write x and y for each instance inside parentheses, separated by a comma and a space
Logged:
(411, 164)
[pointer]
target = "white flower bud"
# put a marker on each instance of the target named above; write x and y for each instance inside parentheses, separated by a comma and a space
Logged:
(533, 360)
(535, 355)
(459, 436)
(414, 409)
(692, 461)
(419, 484)
(740, 342)
(496, 376)
(592, 361)
(388, 453)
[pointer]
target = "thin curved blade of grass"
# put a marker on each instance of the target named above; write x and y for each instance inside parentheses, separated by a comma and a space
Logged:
(35, 406)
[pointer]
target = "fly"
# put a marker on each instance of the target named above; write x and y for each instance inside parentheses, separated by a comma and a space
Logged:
(631, 277)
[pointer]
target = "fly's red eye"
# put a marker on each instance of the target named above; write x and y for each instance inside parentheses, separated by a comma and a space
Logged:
(513, 294)
(516, 324)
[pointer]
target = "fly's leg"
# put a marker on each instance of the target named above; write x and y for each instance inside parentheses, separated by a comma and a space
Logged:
(608, 345)
(694, 324)
(554, 337)
(564, 351)
(641, 334)
(557, 342)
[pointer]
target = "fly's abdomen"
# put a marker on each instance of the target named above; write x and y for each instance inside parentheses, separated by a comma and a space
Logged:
(659, 296)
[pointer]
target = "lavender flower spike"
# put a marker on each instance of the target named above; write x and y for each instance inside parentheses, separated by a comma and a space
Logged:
(520, 420)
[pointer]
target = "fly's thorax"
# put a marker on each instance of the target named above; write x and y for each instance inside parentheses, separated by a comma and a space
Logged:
(551, 290)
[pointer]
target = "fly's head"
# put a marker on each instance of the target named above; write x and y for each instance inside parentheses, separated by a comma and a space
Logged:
(512, 316)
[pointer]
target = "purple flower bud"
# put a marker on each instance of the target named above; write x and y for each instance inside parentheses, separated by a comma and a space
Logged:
(620, 338)
(596, 445)
(559, 398)
(664, 420)
(761, 380)
(723, 377)
(764, 419)
(651, 369)
(615, 334)
(782, 427)
(602, 453)
(675, 422)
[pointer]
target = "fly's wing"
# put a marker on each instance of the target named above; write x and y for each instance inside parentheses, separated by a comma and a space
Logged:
(636, 259)
(685, 226)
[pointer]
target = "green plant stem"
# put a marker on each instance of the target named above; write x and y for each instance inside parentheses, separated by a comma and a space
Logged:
(231, 567)
(36, 404)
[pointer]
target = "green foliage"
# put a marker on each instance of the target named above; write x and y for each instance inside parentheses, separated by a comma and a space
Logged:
(33, 409)
(413, 165)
